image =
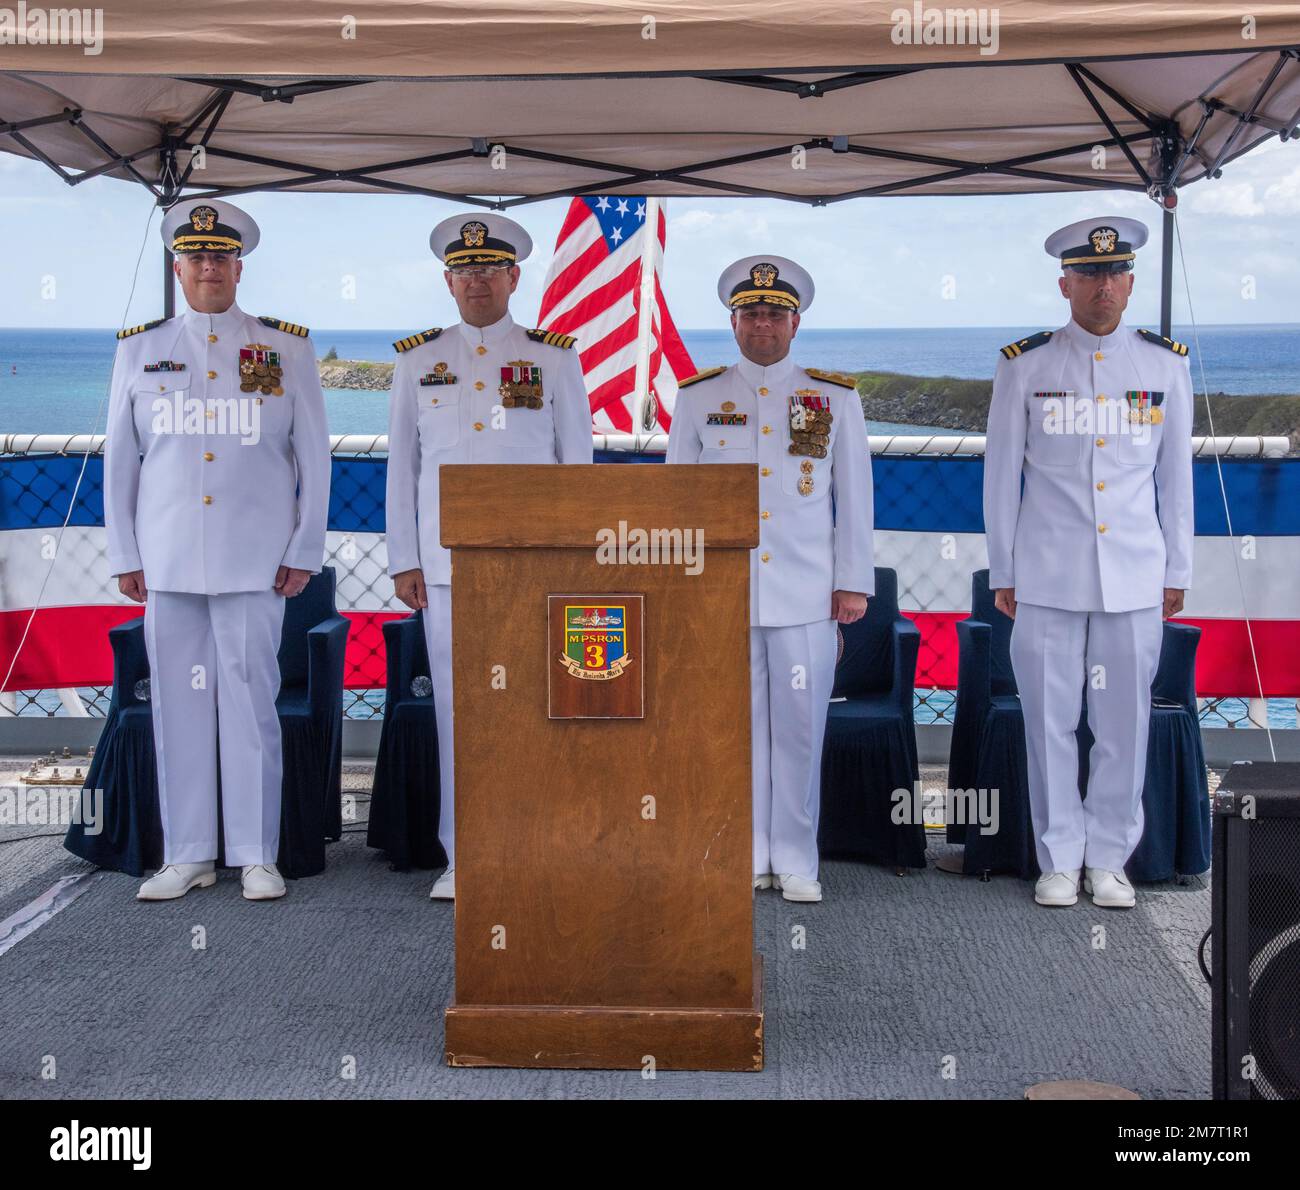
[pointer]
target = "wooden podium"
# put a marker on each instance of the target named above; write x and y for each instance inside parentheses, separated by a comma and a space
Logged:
(604, 899)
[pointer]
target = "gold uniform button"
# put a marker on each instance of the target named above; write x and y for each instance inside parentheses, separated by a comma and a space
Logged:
(767, 429)
(1101, 485)
(478, 425)
(1101, 396)
(257, 400)
(1098, 355)
(766, 471)
(1101, 441)
(434, 401)
(212, 375)
(767, 557)
(211, 413)
(207, 499)
(1101, 528)
(478, 384)
(722, 442)
(208, 456)
(762, 392)
(481, 349)
(765, 514)
(212, 338)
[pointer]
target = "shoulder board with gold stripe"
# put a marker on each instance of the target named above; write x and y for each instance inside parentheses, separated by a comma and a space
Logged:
(551, 338)
(707, 374)
(833, 378)
(415, 340)
(1160, 341)
(144, 326)
(1020, 346)
(289, 328)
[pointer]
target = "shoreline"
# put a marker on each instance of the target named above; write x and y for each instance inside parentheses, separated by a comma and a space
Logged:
(942, 402)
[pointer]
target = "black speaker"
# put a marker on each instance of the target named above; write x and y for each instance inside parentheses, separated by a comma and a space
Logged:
(1255, 955)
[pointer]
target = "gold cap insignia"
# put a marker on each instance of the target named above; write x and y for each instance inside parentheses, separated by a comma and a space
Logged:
(763, 275)
(1103, 240)
(473, 234)
(203, 218)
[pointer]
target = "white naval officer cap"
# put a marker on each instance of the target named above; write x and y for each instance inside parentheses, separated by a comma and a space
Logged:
(773, 280)
(209, 225)
(481, 237)
(1092, 242)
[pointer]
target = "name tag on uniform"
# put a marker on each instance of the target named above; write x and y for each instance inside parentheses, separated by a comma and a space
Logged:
(727, 419)
(1069, 392)
(165, 365)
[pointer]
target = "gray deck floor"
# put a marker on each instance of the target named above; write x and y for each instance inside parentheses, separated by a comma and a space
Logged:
(898, 975)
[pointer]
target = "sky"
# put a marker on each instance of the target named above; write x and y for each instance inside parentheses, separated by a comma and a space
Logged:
(90, 255)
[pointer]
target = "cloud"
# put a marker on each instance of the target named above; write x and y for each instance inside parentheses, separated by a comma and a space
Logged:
(1236, 199)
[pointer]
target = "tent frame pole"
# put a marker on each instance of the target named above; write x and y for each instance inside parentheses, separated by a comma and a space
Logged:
(1166, 271)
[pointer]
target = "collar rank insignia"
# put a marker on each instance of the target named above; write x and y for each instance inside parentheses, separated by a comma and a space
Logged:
(165, 365)
(727, 419)
(439, 375)
(521, 385)
(1144, 407)
(810, 423)
(259, 368)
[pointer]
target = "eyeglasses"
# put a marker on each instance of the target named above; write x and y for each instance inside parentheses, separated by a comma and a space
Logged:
(481, 270)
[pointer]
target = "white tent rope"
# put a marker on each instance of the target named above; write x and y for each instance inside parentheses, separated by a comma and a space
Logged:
(1223, 491)
(85, 459)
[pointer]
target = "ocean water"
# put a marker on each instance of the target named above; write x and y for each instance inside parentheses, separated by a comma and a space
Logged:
(56, 381)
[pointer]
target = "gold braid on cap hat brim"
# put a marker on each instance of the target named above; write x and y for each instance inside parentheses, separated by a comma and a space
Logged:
(478, 256)
(206, 244)
(747, 297)
(1098, 259)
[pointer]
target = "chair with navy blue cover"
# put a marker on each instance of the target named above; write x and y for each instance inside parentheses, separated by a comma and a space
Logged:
(988, 752)
(870, 747)
(310, 709)
(405, 800)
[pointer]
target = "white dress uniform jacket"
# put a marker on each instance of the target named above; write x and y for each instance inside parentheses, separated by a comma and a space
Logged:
(1087, 534)
(462, 420)
(809, 546)
(207, 489)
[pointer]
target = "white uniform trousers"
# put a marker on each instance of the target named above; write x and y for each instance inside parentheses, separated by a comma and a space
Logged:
(437, 638)
(792, 672)
(228, 703)
(1054, 654)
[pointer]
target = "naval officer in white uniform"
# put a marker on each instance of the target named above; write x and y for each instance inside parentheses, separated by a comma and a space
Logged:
(813, 565)
(1093, 554)
(486, 390)
(216, 483)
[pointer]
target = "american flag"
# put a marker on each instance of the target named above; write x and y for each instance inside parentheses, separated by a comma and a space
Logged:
(593, 291)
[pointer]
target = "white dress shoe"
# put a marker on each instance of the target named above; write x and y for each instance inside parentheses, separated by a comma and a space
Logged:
(175, 880)
(762, 879)
(797, 888)
(262, 882)
(1110, 890)
(444, 888)
(1057, 889)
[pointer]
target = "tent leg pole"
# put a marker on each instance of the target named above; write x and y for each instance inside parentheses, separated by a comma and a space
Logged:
(1167, 273)
(169, 285)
